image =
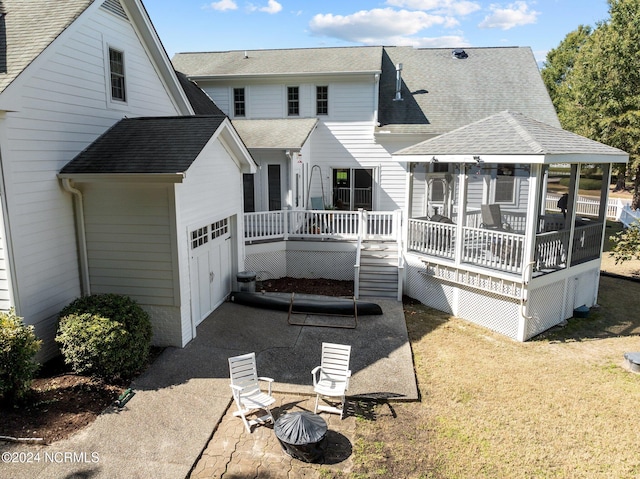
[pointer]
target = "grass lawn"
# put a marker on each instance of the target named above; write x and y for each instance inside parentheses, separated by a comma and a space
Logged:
(559, 406)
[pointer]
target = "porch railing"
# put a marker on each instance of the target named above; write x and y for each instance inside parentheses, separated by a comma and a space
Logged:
(493, 249)
(320, 224)
(551, 250)
(428, 237)
(587, 241)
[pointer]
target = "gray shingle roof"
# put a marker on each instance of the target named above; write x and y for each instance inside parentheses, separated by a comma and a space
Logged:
(280, 62)
(201, 103)
(30, 27)
(277, 133)
(146, 145)
(510, 133)
(441, 93)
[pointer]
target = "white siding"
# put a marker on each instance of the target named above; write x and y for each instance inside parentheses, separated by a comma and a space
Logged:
(211, 191)
(344, 138)
(130, 248)
(351, 145)
(350, 99)
(63, 98)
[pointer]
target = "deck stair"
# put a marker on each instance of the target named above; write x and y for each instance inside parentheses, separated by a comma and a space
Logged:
(378, 276)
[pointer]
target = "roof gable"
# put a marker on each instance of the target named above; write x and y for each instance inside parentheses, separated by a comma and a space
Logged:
(510, 133)
(29, 27)
(163, 145)
(441, 92)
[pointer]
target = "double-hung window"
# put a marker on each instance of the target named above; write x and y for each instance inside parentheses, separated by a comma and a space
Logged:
(322, 100)
(239, 105)
(293, 101)
(116, 67)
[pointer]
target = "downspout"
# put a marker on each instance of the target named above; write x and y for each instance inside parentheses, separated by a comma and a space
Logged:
(81, 236)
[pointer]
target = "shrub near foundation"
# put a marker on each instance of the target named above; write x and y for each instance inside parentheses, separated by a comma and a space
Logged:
(105, 335)
(18, 346)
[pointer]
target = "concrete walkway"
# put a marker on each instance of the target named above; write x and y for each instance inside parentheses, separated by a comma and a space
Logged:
(183, 396)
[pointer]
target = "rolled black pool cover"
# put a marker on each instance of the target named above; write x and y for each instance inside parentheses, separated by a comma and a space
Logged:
(305, 303)
(302, 435)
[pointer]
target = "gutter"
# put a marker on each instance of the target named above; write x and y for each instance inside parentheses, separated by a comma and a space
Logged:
(81, 235)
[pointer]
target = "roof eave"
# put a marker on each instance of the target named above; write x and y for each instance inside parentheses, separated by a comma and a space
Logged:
(539, 158)
(248, 76)
(124, 177)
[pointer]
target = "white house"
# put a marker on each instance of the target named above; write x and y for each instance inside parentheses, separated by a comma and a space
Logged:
(427, 144)
(72, 70)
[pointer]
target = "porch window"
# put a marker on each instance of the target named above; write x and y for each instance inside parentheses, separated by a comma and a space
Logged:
(353, 188)
(322, 100)
(505, 184)
(239, 106)
(293, 100)
(116, 67)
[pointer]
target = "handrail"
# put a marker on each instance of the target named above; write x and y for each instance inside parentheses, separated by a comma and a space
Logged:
(398, 222)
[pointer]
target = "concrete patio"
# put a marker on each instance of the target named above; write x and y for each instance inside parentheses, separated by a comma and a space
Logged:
(181, 399)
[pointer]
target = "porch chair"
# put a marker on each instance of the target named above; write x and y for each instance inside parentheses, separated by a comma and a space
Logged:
(492, 218)
(246, 390)
(331, 378)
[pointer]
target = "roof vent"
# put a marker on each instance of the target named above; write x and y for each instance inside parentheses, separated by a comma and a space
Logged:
(459, 53)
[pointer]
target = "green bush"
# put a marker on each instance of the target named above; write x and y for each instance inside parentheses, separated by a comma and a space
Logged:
(105, 335)
(18, 346)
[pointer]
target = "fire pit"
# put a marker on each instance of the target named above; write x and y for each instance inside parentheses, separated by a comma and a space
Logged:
(302, 435)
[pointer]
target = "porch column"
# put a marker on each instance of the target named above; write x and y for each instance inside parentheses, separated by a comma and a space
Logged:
(570, 220)
(531, 229)
(462, 213)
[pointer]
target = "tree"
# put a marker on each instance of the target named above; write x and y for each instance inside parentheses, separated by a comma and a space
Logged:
(594, 82)
(626, 243)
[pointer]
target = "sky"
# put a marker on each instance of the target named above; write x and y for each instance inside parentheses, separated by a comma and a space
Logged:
(221, 25)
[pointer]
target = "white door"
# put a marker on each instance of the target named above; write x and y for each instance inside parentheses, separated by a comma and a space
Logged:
(210, 268)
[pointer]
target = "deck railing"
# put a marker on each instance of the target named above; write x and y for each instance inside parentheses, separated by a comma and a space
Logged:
(320, 224)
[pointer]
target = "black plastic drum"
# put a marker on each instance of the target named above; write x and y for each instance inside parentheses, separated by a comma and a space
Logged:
(302, 435)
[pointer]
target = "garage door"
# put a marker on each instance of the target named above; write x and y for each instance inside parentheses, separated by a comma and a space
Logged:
(211, 268)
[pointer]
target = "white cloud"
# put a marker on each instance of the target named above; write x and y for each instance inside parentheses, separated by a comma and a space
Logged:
(372, 26)
(272, 7)
(224, 5)
(513, 15)
(447, 41)
(445, 7)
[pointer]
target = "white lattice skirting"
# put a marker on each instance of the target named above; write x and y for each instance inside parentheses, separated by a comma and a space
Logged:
(302, 259)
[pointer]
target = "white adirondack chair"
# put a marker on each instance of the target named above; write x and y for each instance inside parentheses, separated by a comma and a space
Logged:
(331, 378)
(246, 390)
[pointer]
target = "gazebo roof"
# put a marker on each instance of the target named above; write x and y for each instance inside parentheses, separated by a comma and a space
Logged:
(510, 137)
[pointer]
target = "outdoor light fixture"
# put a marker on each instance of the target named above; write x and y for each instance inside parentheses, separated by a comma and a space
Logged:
(434, 159)
(477, 158)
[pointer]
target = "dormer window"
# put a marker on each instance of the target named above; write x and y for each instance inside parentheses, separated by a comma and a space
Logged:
(116, 66)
